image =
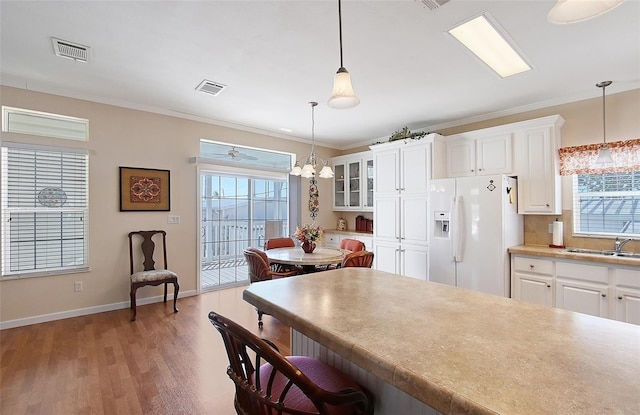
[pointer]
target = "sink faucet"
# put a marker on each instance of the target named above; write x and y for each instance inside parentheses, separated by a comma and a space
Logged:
(618, 244)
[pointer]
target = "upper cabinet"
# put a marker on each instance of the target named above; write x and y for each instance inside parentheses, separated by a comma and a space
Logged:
(403, 167)
(353, 182)
(537, 167)
(526, 149)
(468, 156)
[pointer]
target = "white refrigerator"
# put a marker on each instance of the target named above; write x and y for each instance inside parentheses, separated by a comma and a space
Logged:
(474, 220)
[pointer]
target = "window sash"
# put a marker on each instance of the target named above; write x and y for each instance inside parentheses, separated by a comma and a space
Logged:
(44, 210)
(607, 204)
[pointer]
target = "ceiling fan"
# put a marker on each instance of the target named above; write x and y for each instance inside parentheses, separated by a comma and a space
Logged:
(236, 155)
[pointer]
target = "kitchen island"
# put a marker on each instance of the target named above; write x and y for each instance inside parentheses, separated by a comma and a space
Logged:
(454, 350)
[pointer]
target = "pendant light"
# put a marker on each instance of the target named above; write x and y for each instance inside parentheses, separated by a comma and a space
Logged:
(309, 168)
(575, 11)
(604, 156)
(343, 96)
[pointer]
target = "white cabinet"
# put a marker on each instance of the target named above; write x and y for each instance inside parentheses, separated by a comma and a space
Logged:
(332, 239)
(468, 156)
(627, 295)
(401, 200)
(582, 288)
(537, 167)
(588, 287)
(532, 280)
(353, 182)
(402, 167)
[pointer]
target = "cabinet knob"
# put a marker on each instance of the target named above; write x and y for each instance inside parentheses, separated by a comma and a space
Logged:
(479, 169)
(547, 205)
(619, 297)
(604, 295)
(472, 170)
(531, 266)
(548, 285)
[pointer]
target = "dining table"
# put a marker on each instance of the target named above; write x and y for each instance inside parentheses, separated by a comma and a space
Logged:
(309, 262)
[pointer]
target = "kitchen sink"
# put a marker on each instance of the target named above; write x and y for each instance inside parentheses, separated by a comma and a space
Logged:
(606, 252)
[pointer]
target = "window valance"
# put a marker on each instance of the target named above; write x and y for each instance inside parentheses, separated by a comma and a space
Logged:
(582, 159)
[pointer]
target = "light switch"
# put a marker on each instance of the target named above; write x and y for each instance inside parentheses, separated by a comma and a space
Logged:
(173, 219)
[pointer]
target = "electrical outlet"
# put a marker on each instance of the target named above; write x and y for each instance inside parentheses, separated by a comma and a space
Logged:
(77, 286)
(173, 219)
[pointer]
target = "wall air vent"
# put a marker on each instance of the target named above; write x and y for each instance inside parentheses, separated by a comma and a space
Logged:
(209, 87)
(434, 4)
(70, 50)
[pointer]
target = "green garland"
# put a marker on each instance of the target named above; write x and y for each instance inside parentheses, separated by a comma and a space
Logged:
(405, 133)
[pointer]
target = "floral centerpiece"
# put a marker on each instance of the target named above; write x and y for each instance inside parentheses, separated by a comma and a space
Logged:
(308, 235)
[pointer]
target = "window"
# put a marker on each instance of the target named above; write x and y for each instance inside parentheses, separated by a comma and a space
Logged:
(607, 204)
(17, 120)
(44, 210)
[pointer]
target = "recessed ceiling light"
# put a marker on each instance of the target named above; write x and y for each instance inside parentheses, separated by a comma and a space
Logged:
(489, 43)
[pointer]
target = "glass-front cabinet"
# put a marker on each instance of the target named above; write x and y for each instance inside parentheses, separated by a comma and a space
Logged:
(353, 182)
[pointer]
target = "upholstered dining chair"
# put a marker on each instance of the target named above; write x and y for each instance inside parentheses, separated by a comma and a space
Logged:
(362, 259)
(352, 245)
(349, 244)
(260, 270)
(266, 382)
(146, 273)
(285, 242)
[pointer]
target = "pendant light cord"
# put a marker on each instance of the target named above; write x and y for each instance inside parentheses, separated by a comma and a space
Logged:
(340, 29)
(604, 125)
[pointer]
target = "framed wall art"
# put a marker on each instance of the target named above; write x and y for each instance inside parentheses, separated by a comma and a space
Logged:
(144, 189)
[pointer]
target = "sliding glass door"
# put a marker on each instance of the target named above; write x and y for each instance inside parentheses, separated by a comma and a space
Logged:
(238, 210)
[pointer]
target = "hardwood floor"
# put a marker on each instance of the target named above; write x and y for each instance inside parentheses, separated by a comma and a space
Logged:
(163, 363)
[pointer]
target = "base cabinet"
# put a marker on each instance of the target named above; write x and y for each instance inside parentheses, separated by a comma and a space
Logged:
(408, 260)
(608, 291)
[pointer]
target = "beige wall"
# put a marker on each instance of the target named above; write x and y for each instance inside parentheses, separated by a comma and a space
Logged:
(124, 137)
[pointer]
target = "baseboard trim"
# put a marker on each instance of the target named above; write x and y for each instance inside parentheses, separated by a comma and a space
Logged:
(86, 311)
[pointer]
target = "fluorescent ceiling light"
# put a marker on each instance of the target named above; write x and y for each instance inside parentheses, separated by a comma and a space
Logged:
(482, 38)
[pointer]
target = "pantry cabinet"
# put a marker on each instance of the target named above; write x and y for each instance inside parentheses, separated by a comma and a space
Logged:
(403, 170)
(469, 156)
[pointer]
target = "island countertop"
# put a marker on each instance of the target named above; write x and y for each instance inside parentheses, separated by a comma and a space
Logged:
(461, 351)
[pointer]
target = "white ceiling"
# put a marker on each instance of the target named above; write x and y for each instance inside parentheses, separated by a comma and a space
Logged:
(276, 56)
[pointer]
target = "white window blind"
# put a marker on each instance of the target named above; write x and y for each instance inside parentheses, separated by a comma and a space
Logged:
(44, 210)
(607, 204)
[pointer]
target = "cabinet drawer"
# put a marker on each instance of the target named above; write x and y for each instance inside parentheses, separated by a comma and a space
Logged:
(628, 277)
(584, 272)
(539, 266)
(332, 239)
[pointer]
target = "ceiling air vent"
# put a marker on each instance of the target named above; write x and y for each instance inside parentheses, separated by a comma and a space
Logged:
(209, 87)
(434, 4)
(70, 50)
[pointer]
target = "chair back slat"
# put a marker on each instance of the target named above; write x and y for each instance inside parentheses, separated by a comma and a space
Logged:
(279, 243)
(147, 247)
(258, 264)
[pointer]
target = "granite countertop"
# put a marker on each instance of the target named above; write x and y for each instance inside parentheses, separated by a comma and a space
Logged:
(541, 250)
(462, 351)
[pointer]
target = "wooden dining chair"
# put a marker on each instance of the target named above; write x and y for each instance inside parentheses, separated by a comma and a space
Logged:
(362, 259)
(260, 270)
(267, 383)
(148, 274)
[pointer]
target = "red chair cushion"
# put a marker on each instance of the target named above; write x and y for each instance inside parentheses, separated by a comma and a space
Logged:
(323, 375)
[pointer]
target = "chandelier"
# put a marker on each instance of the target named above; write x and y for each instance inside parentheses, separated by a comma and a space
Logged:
(308, 170)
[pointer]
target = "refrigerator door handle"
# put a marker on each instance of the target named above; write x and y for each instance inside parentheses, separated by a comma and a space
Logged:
(453, 228)
(459, 229)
